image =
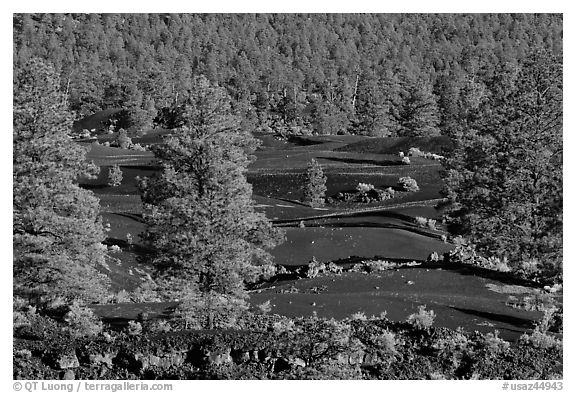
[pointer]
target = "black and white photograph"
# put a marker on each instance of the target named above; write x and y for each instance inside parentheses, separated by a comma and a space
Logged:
(286, 196)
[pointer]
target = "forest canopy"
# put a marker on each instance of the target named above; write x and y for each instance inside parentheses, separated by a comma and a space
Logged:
(371, 74)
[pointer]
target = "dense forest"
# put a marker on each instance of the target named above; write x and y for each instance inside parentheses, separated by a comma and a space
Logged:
(368, 74)
(254, 132)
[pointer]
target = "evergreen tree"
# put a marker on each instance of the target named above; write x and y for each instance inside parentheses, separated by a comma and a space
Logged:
(315, 187)
(372, 107)
(123, 141)
(201, 218)
(114, 176)
(505, 178)
(417, 112)
(57, 232)
(327, 118)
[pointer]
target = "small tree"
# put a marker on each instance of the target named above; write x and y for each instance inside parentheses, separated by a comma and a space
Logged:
(123, 141)
(114, 176)
(315, 187)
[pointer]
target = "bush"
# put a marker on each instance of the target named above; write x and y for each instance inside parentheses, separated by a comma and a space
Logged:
(415, 152)
(264, 308)
(494, 344)
(315, 268)
(331, 267)
(405, 161)
(363, 188)
(378, 266)
(114, 176)
(385, 342)
(316, 340)
(211, 310)
(114, 248)
(138, 147)
(358, 316)
(453, 347)
(464, 253)
(156, 326)
(82, 322)
(408, 184)
(423, 319)
(421, 221)
(538, 338)
(134, 328)
(541, 340)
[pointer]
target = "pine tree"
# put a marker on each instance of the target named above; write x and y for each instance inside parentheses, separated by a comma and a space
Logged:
(57, 232)
(315, 187)
(372, 107)
(123, 141)
(201, 218)
(114, 176)
(417, 113)
(505, 177)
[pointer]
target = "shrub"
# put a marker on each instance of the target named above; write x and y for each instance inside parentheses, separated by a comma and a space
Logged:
(358, 316)
(333, 268)
(146, 292)
(494, 344)
(453, 347)
(384, 195)
(121, 297)
(114, 248)
(541, 340)
(495, 263)
(405, 161)
(467, 254)
(134, 328)
(82, 322)
(421, 221)
(435, 157)
(114, 176)
(415, 152)
(316, 340)
(378, 266)
(363, 188)
(408, 184)
(431, 223)
(385, 342)
(315, 268)
(423, 319)
(137, 147)
(210, 310)
(265, 307)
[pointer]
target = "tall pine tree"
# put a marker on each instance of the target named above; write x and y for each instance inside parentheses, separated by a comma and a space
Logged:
(201, 219)
(505, 177)
(57, 231)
